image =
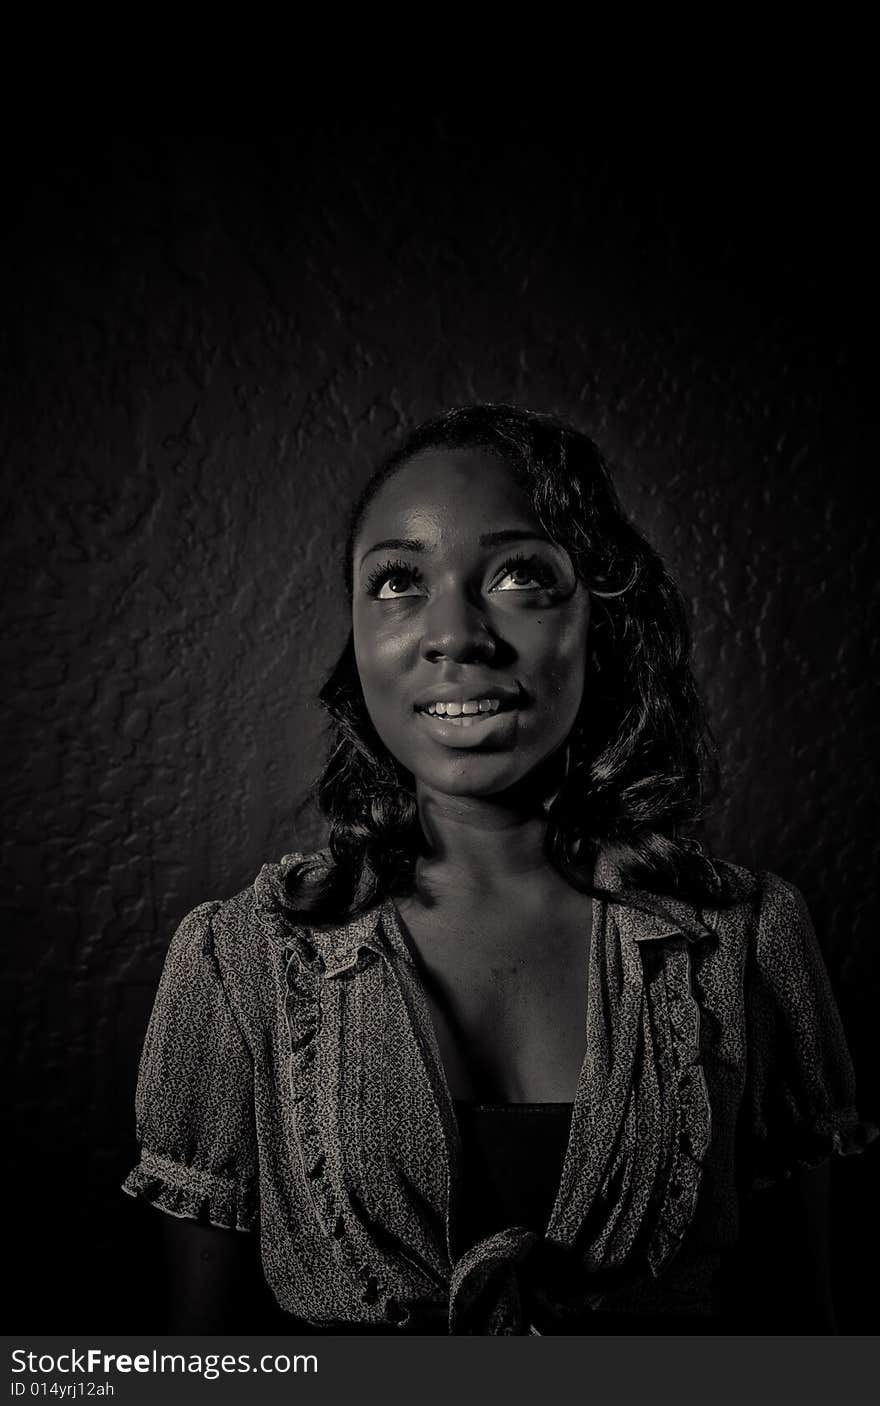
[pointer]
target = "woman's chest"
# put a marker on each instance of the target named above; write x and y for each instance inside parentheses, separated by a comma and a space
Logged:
(508, 1003)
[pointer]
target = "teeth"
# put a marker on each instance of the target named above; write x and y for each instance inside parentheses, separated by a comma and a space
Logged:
(463, 712)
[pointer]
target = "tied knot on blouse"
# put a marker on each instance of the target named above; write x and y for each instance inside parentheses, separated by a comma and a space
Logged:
(515, 1280)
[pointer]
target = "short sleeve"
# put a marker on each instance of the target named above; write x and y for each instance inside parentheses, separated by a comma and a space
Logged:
(800, 1098)
(195, 1092)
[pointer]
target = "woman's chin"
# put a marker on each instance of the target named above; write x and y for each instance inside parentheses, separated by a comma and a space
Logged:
(478, 775)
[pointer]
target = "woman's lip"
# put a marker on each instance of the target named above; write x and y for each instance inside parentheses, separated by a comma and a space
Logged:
(477, 728)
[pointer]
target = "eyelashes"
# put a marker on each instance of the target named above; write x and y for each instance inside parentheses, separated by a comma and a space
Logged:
(534, 567)
(387, 572)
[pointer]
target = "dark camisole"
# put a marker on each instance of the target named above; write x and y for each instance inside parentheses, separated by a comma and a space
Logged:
(512, 1165)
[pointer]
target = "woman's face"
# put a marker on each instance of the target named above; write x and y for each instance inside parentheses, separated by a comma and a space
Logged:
(470, 625)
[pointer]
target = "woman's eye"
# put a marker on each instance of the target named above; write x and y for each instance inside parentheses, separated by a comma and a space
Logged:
(391, 582)
(397, 585)
(524, 576)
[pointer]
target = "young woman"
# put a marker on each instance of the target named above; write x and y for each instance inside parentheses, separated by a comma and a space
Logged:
(511, 1055)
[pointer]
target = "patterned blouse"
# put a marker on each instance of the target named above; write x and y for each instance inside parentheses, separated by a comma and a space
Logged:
(291, 1083)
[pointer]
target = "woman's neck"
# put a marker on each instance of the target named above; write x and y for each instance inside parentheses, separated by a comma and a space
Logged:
(478, 845)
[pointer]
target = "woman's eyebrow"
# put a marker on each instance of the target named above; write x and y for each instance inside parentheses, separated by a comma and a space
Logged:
(396, 544)
(487, 539)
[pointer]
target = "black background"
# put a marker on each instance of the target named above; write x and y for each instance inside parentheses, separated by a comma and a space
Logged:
(207, 342)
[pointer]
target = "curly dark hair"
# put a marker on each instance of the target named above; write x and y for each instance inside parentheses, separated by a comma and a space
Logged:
(641, 759)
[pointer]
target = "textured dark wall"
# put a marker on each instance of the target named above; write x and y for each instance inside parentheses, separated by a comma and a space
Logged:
(208, 344)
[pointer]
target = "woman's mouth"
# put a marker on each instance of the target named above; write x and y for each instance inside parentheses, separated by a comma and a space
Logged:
(469, 721)
(463, 714)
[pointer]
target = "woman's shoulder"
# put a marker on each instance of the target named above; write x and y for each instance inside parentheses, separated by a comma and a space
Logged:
(745, 910)
(772, 902)
(265, 908)
(244, 937)
(763, 922)
(743, 889)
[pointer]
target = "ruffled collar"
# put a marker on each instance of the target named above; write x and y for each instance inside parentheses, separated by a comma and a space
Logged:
(641, 915)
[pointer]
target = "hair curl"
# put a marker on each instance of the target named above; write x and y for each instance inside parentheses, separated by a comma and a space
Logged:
(641, 757)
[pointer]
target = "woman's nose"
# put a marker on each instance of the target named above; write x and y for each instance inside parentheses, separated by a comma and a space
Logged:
(456, 628)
